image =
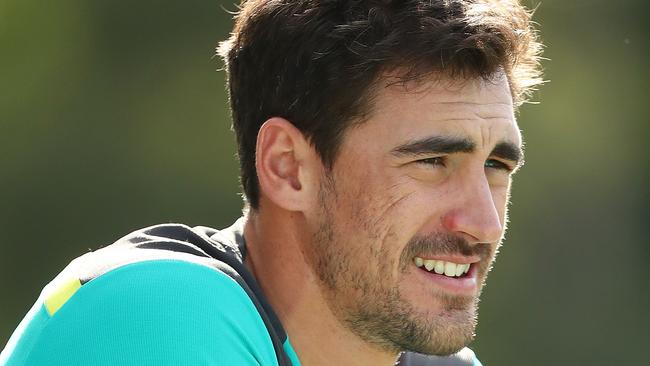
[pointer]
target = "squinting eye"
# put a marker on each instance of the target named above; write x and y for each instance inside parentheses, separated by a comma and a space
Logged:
(437, 161)
(496, 164)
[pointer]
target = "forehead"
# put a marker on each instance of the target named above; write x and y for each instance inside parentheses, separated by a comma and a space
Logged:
(477, 109)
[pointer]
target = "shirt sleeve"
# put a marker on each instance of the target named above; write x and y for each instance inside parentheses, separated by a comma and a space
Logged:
(158, 312)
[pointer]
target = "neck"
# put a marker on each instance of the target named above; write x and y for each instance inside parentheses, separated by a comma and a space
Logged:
(276, 257)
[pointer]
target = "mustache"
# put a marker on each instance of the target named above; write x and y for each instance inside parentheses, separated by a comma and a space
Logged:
(442, 244)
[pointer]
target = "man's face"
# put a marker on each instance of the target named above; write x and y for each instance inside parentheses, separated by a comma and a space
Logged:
(413, 211)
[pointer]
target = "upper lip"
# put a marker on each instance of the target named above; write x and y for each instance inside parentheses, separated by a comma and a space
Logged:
(459, 259)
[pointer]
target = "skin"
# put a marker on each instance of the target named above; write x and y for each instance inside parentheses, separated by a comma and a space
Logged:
(334, 250)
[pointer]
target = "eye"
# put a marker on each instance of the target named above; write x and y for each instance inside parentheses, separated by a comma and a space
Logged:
(438, 161)
(499, 165)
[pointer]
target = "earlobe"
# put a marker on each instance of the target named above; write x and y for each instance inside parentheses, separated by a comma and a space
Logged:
(282, 159)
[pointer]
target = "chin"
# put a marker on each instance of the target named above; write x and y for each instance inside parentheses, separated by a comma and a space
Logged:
(442, 328)
(449, 332)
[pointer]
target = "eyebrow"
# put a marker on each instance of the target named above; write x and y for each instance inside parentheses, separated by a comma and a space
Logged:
(509, 151)
(435, 145)
(450, 145)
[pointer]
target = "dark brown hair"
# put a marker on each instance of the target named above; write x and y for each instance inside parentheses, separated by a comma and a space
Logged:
(316, 62)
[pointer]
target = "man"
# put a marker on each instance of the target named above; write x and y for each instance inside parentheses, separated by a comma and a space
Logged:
(377, 141)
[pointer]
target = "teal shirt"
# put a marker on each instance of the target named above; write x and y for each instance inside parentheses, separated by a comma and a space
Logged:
(158, 312)
(164, 295)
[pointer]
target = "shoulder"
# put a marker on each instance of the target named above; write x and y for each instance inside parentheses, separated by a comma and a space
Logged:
(160, 311)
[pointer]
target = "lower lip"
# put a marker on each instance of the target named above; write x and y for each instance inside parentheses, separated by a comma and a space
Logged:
(466, 285)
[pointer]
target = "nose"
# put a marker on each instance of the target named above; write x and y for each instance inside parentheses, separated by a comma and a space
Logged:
(475, 214)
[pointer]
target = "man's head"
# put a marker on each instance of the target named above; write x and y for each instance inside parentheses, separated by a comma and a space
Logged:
(317, 63)
(408, 109)
(424, 183)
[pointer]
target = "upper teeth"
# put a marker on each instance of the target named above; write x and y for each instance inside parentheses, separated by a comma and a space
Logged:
(448, 269)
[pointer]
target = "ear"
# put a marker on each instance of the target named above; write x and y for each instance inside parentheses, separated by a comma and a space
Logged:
(285, 163)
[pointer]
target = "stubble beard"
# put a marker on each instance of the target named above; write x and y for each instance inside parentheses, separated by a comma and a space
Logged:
(378, 313)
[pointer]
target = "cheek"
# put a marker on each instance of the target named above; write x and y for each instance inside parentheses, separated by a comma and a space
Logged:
(375, 210)
(368, 211)
(500, 197)
(363, 188)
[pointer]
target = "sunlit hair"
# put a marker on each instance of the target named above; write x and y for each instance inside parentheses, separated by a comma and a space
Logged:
(316, 63)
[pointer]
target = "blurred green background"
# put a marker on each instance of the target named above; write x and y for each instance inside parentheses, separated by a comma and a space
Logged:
(113, 117)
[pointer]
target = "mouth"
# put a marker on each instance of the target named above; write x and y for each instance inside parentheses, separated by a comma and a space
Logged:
(441, 267)
(454, 275)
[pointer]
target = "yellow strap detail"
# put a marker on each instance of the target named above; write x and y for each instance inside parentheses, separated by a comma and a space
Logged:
(60, 295)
